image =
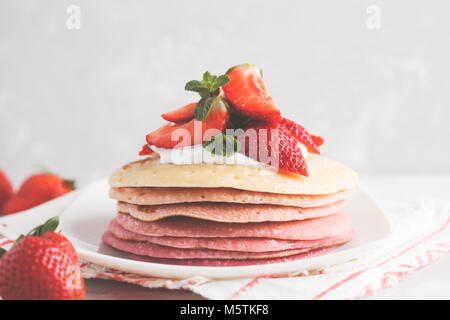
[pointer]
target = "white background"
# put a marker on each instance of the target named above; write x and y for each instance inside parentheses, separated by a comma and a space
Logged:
(81, 101)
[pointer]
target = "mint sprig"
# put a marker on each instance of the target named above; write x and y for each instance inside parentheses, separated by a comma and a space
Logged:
(209, 90)
(223, 145)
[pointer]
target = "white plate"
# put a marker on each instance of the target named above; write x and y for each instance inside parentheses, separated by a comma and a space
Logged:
(86, 219)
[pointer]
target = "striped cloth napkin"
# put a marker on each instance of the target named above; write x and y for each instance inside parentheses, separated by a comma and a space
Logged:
(421, 235)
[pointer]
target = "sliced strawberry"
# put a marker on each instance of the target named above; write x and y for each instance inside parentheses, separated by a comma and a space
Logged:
(146, 151)
(318, 140)
(182, 114)
(311, 142)
(188, 133)
(281, 145)
(248, 94)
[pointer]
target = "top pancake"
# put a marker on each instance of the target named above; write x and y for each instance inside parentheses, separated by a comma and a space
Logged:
(325, 176)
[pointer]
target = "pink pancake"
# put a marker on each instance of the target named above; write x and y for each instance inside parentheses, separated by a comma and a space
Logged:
(228, 212)
(230, 263)
(156, 196)
(310, 229)
(153, 250)
(227, 244)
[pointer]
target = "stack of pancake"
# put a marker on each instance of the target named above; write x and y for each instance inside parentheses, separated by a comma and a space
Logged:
(228, 215)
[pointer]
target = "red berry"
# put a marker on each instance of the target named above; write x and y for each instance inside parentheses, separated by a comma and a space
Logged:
(248, 94)
(182, 114)
(311, 142)
(146, 151)
(278, 144)
(41, 268)
(36, 190)
(182, 134)
(318, 140)
(6, 189)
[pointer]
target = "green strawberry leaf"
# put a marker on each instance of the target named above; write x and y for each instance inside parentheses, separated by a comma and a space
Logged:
(49, 226)
(222, 144)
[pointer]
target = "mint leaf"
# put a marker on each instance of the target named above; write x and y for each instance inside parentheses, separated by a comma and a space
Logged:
(199, 87)
(219, 82)
(2, 252)
(193, 85)
(209, 89)
(203, 107)
(207, 77)
(222, 144)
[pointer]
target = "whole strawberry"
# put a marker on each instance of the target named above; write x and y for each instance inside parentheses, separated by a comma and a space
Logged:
(36, 190)
(41, 266)
(6, 189)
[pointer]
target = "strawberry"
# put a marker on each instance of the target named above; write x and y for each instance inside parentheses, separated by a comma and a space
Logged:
(318, 140)
(310, 141)
(248, 94)
(182, 114)
(278, 144)
(6, 189)
(188, 133)
(36, 190)
(41, 266)
(146, 151)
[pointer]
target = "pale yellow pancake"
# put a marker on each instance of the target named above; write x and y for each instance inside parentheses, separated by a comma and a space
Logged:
(164, 195)
(325, 176)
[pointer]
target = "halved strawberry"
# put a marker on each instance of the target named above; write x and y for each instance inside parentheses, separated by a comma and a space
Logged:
(278, 144)
(192, 132)
(182, 114)
(248, 94)
(310, 141)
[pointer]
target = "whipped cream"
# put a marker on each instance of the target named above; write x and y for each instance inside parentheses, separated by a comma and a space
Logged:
(197, 154)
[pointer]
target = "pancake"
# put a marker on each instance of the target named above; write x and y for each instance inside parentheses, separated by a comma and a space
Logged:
(310, 229)
(228, 212)
(230, 263)
(227, 244)
(326, 176)
(157, 195)
(131, 248)
(144, 248)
